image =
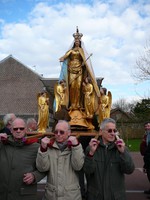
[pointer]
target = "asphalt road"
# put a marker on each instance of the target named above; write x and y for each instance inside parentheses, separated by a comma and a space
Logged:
(136, 183)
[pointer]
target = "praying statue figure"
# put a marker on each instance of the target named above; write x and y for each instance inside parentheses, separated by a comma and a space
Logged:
(60, 92)
(88, 98)
(43, 111)
(105, 104)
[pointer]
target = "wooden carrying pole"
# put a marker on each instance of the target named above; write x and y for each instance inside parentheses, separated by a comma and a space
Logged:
(50, 134)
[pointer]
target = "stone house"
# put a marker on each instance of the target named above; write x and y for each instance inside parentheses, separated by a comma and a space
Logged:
(127, 126)
(19, 87)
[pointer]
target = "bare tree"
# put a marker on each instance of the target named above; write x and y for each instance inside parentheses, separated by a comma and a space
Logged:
(124, 105)
(142, 67)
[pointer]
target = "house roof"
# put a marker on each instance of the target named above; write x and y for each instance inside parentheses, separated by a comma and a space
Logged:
(49, 84)
(19, 86)
(118, 113)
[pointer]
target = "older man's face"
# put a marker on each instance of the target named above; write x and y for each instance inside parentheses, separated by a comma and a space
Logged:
(61, 132)
(18, 128)
(109, 133)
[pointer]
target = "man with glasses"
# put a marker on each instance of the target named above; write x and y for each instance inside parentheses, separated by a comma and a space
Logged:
(107, 160)
(18, 173)
(61, 156)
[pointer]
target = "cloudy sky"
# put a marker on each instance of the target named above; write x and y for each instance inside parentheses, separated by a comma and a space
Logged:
(39, 32)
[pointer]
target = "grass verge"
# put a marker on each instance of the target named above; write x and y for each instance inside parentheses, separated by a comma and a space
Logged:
(133, 144)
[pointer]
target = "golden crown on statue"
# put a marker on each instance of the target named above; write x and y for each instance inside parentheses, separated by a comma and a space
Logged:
(77, 35)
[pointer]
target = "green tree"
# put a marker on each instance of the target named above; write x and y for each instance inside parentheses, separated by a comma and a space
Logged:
(142, 110)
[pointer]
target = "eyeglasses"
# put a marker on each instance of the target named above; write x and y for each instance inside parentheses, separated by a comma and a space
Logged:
(21, 128)
(111, 130)
(59, 131)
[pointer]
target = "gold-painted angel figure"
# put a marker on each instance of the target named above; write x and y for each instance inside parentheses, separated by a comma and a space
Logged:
(105, 104)
(60, 92)
(43, 111)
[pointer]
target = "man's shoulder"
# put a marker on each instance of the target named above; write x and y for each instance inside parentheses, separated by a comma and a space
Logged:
(5, 130)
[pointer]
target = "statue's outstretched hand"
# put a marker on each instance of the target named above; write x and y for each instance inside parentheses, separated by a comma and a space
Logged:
(61, 59)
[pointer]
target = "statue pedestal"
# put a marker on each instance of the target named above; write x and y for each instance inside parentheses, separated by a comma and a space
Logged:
(79, 121)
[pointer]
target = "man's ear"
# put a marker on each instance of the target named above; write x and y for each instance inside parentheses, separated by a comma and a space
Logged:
(100, 132)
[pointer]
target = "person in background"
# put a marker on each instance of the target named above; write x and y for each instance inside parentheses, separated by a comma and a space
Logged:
(146, 138)
(18, 173)
(31, 125)
(145, 152)
(61, 156)
(107, 160)
(7, 120)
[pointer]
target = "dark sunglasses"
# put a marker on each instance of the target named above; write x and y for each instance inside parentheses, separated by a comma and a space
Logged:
(21, 128)
(59, 131)
(111, 130)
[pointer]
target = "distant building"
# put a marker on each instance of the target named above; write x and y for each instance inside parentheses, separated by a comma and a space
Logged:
(127, 126)
(119, 115)
(19, 86)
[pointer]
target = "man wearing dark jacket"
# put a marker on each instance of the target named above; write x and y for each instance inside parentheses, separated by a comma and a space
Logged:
(107, 160)
(146, 159)
(145, 151)
(18, 173)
